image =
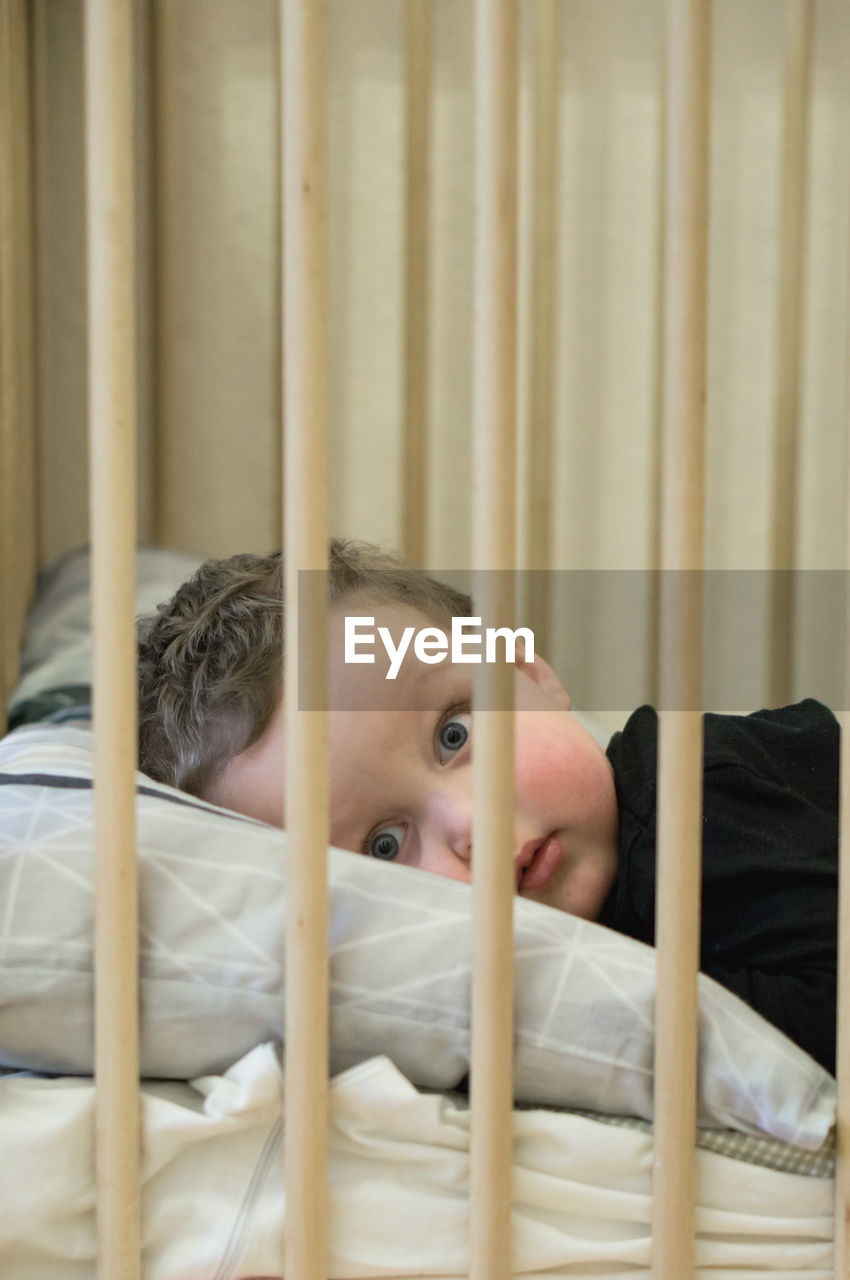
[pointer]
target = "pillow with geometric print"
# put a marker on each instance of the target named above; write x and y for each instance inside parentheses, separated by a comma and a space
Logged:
(212, 922)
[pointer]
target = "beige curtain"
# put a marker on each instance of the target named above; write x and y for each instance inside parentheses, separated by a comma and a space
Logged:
(208, 275)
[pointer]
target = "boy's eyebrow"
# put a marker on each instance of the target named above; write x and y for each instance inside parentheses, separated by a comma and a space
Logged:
(443, 674)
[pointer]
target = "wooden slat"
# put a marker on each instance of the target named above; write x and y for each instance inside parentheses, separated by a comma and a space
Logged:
(419, 29)
(789, 345)
(17, 426)
(494, 411)
(109, 141)
(680, 736)
(305, 364)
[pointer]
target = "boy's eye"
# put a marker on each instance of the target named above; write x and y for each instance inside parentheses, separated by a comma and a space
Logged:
(385, 843)
(453, 733)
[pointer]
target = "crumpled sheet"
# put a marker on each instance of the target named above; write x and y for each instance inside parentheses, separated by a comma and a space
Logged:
(213, 1195)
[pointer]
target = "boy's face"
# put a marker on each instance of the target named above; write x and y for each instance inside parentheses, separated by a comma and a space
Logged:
(401, 771)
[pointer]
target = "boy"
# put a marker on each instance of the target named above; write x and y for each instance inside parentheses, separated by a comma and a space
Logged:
(211, 723)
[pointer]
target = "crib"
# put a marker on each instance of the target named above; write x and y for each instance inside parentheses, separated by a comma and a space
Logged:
(585, 178)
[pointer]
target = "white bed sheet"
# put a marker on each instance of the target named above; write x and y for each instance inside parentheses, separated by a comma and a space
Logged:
(213, 1194)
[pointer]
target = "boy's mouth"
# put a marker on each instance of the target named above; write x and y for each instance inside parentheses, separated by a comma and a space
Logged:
(537, 862)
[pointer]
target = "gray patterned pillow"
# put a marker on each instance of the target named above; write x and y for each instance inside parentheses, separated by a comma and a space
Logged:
(212, 942)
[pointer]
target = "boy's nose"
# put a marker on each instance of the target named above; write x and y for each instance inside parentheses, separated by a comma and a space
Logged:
(451, 814)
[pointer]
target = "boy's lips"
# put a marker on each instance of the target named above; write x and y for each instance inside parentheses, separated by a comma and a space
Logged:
(537, 862)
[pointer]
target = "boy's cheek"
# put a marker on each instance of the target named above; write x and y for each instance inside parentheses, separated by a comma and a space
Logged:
(540, 773)
(557, 779)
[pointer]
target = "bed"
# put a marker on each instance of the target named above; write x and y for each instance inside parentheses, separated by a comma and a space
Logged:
(212, 890)
(213, 1194)
(207, 256)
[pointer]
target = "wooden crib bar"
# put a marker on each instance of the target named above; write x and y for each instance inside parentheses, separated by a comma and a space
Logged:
(305, 413)
(112, 392)
(680, 655)
(494, 453)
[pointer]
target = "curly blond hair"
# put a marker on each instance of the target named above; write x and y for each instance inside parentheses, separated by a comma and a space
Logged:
(210, 660)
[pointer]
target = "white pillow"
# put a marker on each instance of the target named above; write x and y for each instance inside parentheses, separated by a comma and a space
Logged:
(58, 645)
(212, 889)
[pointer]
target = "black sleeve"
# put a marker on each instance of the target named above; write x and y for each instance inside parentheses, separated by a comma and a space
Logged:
(770, 861)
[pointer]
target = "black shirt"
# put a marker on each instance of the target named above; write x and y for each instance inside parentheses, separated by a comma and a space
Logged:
(770, 860)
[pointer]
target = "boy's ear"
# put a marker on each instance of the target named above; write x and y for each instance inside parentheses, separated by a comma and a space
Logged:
(538, 670)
